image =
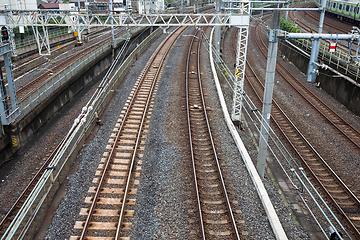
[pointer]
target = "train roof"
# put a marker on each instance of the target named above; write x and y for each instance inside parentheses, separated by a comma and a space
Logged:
(347, 1)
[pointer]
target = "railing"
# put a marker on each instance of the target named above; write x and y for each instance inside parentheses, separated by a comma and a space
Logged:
(340, 58)
(25, 222)
(38, 95)
(31, 39)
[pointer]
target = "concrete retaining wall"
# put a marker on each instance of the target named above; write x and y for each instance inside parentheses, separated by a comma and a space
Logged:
(334, 84)
(23, 130)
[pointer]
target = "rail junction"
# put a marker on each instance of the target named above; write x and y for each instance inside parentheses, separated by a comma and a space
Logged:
(150, 156)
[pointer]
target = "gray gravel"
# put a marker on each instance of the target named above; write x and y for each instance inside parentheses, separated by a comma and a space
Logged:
(162, 211)
(256, 224)
(89, 157)
(164, 206)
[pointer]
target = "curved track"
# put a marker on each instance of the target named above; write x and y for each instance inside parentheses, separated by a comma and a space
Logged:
(342, 197)
(336, 121)
(27, 190)
(216, 217)
(316, 18)
(327, 26)
(30, 62)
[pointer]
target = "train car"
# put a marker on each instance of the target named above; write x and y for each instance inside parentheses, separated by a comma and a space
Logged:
(343, 10)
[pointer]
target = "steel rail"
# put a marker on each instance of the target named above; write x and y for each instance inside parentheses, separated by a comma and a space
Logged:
(64, 64)
(127, 112)
(27, 190)
(191, 143)
(306, 27)
(82, 125)
(300, 157)
(103, 176)
(18, 69)
(296, 85)
(311, 14)
(219, 173)
(228, 205)
(337, 178)
(11, 231)
(143, 120)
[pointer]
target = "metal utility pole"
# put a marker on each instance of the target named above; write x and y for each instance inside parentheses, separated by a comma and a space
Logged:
(311, 74)
(78, 28)
(217, 28)
(87, 12)
(12, 43)
(8, 114)
(112, 21)
(268, 92)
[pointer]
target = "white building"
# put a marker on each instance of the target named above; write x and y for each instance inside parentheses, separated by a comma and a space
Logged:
(20, 4)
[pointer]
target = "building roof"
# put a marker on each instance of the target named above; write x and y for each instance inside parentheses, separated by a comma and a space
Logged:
(49, 6)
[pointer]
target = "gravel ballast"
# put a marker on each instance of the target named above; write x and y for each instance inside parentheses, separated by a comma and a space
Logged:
(164, 201)
(89, 157)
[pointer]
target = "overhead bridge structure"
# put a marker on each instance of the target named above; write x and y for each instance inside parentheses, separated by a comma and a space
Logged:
(64, 18)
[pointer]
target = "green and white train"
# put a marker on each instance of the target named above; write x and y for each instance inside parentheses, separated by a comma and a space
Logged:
(343, 10)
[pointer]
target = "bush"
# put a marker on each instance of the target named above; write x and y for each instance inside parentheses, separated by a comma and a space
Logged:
(289, 26)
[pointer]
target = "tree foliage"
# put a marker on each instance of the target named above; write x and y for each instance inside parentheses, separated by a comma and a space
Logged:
(289, 26)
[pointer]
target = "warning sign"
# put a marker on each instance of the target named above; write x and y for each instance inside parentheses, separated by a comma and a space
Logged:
(237, 73)
(332, 47)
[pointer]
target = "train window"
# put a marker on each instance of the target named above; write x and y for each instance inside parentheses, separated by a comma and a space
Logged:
(334, 5)
(347, 8)
(340, 6)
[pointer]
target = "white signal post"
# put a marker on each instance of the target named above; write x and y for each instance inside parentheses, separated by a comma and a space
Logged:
(243, 26)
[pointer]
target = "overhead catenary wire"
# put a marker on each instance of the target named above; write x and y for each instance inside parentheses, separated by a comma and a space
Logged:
(293, 165)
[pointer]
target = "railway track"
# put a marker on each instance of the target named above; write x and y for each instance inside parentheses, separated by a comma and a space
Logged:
(316, 18)
(216, 217)
(111, 200)
(328, 26)
(6, 220)
(336, 121)
(31, 62)
(48, 72)
(343, 198)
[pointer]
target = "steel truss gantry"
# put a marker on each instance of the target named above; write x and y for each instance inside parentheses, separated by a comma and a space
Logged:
(239, 18)
(74, 19)
(239, 73)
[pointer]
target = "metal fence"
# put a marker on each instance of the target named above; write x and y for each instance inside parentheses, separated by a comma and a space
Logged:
(31, 39)
(340, 58)
(25, 222)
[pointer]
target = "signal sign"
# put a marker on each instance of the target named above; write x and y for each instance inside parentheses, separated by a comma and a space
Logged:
(332, 47)
(4, 33)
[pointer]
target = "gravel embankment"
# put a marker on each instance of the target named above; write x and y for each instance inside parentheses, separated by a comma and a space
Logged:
(164, 202)
(164, 207)
(89, 157)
